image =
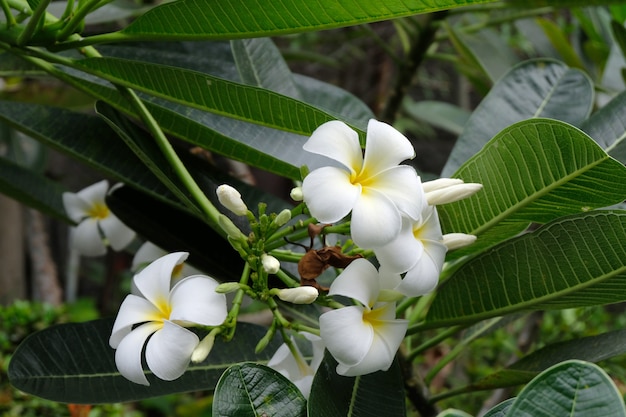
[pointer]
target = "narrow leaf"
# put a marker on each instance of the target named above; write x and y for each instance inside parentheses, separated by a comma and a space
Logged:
(197, 19)
(573, 388)
(535, 88)
(533, 171)
(372, 395)
(74, 363)
(250, 389)
(573, 261)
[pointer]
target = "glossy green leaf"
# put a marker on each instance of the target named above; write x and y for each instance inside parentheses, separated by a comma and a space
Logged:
(32, 189)
(211, 94)
(74, 363)
(258, 19)
(84, 137)
(607, 126)
(452, 412)
(533, 171)
(501, 409)
(590, 349)
(535, 88)
(371, 395)
(252, 390)
(572, 388)
(574, 261)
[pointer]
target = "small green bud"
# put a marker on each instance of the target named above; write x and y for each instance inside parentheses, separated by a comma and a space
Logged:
(227, 287)
(283, 217)
(296, 194)
(229, 227)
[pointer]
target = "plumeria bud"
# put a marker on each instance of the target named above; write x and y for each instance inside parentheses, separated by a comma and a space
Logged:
(448, 190)
(203, 349)
(457, 240)
(296, 194)
(298, 295)
(283, 217)
(231, 199)
(271, 265)
(227, 287)
(229, 227)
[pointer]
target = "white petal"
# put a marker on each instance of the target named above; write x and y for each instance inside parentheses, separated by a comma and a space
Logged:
(194, 300)
(346, 335)
(336, 140)
(117, 233)
(86, 239)
(375, 220)
(389, 280)
(153, 282)
(403, 186)
(128, 353)
(146, 253)
(169, 351)
(304, 385)
(134, 310)
(329, 194)
(402, 253)
(75, 207)
(385, 147)
(95, 193)
(424, 276)
(429, 228)
(283, 362)
(387, 339)
(318, 350)
(359, 280)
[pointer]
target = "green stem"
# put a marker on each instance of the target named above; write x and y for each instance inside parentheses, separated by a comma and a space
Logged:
(286, 279)
(77, 19)
(231, 320)
(8, 14)
(77, 43)
(448, 394)
(432, 342)
(69, 7)
(34, 23)
(170, 154)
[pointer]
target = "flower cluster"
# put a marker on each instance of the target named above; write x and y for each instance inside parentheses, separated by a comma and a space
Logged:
(392, 213)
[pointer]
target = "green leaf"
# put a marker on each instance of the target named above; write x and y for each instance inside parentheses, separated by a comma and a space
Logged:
(371, 395)
(501, 409)
(250, 389)
(197, 19)
(554, 32)
(32, 189)
(84, 137)
(451, 412)
(534, 88)
(590, 349)
(572, 388)
(440, 114)
(607, 126)
(571, 262)
(74, 363)
(533, 171)
(211, 94)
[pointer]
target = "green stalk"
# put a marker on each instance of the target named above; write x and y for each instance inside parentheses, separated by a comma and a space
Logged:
(77, 19)
(432, 342)
(8, 13)
(34, 23)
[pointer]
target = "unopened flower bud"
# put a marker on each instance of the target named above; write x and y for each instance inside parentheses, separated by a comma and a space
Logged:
(227, 287)
(203, 349)
(283, 217)
(457, 240)
(298, 295)
(271, 265)
(449, 190)
(231, 199)
(296, 194)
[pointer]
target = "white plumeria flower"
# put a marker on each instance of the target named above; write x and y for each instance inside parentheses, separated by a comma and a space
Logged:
(161, 313)
(362, 338)
(97, 225)
(296, 369)
(372, 185)
(148, 252)
(419, 251)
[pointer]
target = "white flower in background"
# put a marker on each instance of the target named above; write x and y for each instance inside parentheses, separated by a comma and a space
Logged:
(294, 367)
(419, 251)
(159, 315)
(373, 186)
(148, 252)
(230, 198)
(362, 338)
(448, 190)
(97, 225)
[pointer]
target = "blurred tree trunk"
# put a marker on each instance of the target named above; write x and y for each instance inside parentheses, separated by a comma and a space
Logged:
(45, 280)
(12, 276)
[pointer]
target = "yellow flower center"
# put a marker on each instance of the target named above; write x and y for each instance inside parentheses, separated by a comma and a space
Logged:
(98, 211)
(164, 310)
